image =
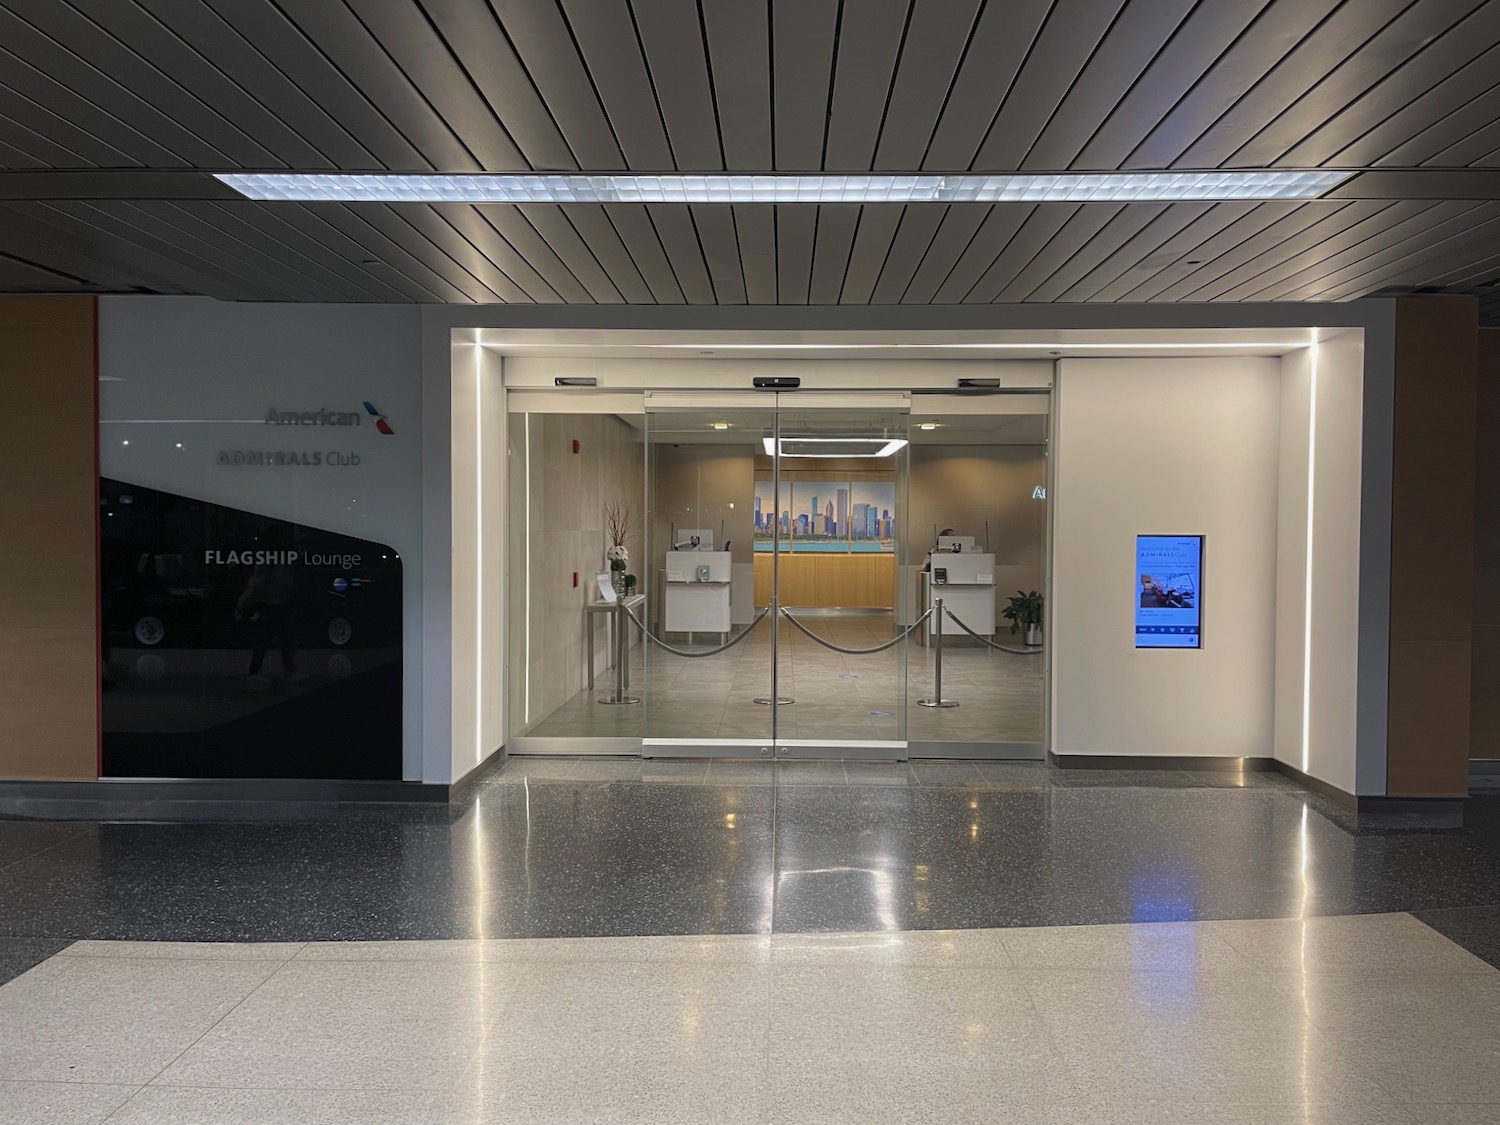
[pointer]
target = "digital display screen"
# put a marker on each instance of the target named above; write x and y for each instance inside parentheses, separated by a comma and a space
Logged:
(1168, 591)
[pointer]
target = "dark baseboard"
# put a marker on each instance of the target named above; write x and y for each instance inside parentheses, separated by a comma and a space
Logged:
(1159, 762)
(460, 788)
(112, 796)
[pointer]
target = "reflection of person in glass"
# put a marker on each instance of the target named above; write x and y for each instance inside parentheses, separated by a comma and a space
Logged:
(267, 605)
(947, 531)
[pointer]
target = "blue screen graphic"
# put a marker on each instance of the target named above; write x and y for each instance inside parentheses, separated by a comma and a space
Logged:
(1168, 591)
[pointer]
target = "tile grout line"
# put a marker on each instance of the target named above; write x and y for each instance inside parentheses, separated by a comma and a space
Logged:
(232, 1009)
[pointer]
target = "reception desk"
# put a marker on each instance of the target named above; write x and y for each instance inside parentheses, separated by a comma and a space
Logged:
(829, 581)
(968, 591)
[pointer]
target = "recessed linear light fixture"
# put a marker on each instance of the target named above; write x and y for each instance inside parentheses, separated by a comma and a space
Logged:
(927, 425)
(834, 447)
(529, 187)
(1040, 346)
(721, 425)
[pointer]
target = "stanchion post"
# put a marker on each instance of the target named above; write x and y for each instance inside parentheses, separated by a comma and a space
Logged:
(937, 699)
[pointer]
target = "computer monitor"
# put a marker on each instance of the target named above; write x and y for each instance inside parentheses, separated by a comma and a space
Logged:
(956, 543)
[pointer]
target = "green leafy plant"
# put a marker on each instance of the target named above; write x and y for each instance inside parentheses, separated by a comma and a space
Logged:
(630, 583)
(1023, 611)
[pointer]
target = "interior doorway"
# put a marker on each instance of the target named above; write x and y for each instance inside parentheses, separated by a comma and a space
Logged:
(753, 575)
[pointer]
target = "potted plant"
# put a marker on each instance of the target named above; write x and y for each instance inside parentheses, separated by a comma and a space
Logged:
(619, 525)
(631, 582)
(1024, 612)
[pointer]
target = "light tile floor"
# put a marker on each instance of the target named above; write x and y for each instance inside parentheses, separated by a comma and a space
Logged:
(1374, 1019)
(1000, 695)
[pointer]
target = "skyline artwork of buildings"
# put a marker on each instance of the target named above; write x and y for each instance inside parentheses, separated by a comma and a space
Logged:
(835, 516)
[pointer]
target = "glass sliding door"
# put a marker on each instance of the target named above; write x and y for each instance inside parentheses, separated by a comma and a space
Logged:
(575, 466)
(774, 536)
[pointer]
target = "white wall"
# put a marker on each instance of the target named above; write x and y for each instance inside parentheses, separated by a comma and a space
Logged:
(1317, 687)
(477, 440)
(1164, 446)
(204, 373)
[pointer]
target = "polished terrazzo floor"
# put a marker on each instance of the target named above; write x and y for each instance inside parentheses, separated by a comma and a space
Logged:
(1376, 1020)
(612, 940)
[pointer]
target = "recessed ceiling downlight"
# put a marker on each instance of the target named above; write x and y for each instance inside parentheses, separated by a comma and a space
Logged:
(1072, 187)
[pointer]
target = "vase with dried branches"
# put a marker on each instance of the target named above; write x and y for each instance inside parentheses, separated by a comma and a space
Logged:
(619, 526)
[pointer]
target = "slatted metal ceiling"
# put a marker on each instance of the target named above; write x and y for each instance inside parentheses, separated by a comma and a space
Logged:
(703, 85)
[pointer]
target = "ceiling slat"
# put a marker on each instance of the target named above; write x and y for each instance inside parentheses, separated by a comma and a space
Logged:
(1384, 55)
(1224, 241)
(541, 39)
(739, 49)
(1072, 32)
(81, 253)
(954, 234)
(19, 276)
(1253, 260)
(390, 238)
(1039, 229)
(553, 225)
(428, 222)
(27, 148)
(1136, 38)
(181, 68)
(305, 67)
(637, 232)
(535, 246)
(1003, 38)
(1218, 230)
(796, 231)
(99, 66)
(673, 41)
(311, 221)
(721, 251)
(1115, 235)
(679, 238)
(216, 243)
(802, 40)
(404, 33)
(1448, 128)
(1415, 268)
(1154, 243)
(836, 225)
(264, 226)
(607, 38)
(1275, 233)
(936, 37)
(289, 112)
(1350, 249)
(531, 265)
(1439, 227)
(40, 103)
(365, 65)
(756, 227)
(1270, 38)
(1072, 237)
(872, 242)
(1440, 80)
(1287, 79)
(101, 233)
(913, 239)
(1208, 32)
(868, 47)
(991, 238)
(597, 236)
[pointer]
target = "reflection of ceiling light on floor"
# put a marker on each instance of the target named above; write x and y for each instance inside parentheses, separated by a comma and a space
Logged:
(721, 425)
(927, 425)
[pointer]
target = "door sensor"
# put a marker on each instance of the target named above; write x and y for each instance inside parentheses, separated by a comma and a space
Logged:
(575, 381)
(776, 382)
(979, 384)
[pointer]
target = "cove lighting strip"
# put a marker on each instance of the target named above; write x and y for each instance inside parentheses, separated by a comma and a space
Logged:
(1073, 187)
(887, 450)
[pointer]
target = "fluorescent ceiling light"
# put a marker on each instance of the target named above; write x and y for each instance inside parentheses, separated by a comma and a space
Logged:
(1045, 345)
(886, 450)
(1071, 187)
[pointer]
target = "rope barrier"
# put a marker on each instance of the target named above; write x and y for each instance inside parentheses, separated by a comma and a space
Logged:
(998, 648)
(759, 617)
(859, 651)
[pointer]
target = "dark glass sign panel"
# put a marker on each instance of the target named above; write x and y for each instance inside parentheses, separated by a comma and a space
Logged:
(237, 645)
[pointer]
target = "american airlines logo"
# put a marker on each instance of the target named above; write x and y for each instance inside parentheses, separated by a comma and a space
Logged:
(325, 417)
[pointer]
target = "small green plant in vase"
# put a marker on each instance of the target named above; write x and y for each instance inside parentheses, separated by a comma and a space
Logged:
(1024, 612)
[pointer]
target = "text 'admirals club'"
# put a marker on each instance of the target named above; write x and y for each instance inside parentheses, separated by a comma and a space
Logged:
(213, 557)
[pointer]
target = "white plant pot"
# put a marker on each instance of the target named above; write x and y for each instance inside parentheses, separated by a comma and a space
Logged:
(1033, 634)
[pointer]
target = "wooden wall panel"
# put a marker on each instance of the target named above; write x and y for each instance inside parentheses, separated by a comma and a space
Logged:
(1432, 547)
(49, 669)
(1484, 709)
(829, 581)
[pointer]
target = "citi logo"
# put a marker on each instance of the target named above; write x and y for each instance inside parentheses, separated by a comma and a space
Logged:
(380, 423)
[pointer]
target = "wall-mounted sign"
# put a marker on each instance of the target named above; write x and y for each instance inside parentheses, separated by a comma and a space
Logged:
(1039, 492)
(1168, 591)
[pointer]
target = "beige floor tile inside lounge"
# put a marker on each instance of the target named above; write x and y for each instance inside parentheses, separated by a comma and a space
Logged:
(59, 1103)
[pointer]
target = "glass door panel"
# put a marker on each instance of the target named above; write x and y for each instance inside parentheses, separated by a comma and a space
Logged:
(842, 470)
(709, 529)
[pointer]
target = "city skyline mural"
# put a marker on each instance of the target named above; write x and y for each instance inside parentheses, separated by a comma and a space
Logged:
(828, 515)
